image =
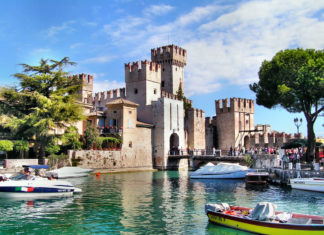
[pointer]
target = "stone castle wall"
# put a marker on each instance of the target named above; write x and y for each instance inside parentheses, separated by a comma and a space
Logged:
(196, 129)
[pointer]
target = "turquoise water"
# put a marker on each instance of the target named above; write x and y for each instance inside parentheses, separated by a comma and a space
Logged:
(144, 203)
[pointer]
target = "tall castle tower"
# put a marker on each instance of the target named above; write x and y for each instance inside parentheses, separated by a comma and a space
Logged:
(234, 122)
(143, 85)
(173, 59)
(87, 88)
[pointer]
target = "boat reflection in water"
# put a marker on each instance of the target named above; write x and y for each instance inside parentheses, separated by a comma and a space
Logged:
(219, 185)
(37, 208)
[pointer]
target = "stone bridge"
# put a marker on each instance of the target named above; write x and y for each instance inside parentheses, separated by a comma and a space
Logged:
(193, 162)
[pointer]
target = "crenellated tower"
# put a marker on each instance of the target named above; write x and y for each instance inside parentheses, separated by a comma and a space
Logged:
(234, 122)
(173, 59)
(143, 82)
(87, 88)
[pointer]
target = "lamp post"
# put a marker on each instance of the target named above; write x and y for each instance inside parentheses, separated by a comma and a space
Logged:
(298, 123)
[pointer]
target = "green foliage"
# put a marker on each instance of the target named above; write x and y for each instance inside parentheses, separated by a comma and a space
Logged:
(91, 137)
(294, 80)
(248, 160)
(6, 145)
(186, 104)
(52, 148)
(71, 138)
(57, 161)
(21, 145)
(109, 142)
(45, 100)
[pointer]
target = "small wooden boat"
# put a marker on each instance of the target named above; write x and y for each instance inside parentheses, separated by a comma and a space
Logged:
(310, 184)
(259, 178)
(240, 218)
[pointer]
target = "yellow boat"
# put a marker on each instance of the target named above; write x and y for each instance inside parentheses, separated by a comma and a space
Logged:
(239, 218)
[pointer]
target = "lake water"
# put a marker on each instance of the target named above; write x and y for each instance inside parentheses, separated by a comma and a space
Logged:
(165, 202)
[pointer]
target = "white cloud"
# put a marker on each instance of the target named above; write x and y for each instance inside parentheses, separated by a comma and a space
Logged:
(66, 26)
(76, 45)
(157, 10)
(105, 85)
(229, 42)
(98, 59)
(40, 51)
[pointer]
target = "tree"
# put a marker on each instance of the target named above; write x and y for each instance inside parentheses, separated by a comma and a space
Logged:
(91, 136)
(6, 146)
(22, 146)
(294, 79)
(44, 101)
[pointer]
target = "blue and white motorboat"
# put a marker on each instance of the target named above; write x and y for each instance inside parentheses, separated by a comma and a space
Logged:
(221, 171)
(24, 185)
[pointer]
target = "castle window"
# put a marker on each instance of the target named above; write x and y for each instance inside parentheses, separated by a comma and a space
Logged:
(154, 91)
(176, 69)
(135, 91)
(162, 84)
(163, 69)
(130, 144)
(115, 111)
(130, 112)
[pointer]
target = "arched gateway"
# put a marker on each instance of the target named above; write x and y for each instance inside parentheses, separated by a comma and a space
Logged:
(174, 144)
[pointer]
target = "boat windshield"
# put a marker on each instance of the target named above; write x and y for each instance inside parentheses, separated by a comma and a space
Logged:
(19, 176)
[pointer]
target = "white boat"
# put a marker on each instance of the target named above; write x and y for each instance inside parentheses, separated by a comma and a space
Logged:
(70, 172)
(221, 171)
(32, 186)
(310, 184)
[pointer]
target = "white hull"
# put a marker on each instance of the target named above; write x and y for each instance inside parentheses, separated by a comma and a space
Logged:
(34, 195)
(225, 175)
(310, 184)
(35, 188)
(70, 172)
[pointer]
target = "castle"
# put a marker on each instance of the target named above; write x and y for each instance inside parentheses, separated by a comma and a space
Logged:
(152, 118)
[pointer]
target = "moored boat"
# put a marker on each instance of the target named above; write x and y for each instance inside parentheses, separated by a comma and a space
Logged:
(70, 172)
(264, 220)
(221, 171)
(310, 184)
(23, 185)
(257, 178)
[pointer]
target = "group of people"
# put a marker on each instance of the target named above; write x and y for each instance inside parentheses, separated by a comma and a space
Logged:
(292, 156)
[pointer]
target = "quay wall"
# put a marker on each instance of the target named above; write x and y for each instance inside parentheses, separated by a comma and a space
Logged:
(280, 176)
(102, 159)
(261, 161)
(18, 163)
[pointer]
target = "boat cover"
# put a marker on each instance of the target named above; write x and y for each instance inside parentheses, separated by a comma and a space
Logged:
(220, 168)
(217, 207)
(264, 211)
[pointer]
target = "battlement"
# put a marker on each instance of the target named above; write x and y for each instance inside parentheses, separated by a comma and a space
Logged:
(173, 97)
(86, 78)
(101, 98)
(146, 70)
(236, 105)
(169, 54)
(169, 95)
(198, 113)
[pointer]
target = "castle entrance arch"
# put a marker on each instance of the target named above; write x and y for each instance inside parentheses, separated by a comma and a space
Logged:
(247, 144)
(174, 144)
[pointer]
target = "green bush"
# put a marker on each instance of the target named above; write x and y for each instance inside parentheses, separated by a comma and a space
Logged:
(110, 142)
(6, 146)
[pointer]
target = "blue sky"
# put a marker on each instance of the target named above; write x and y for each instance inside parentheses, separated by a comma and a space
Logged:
(226, 41)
